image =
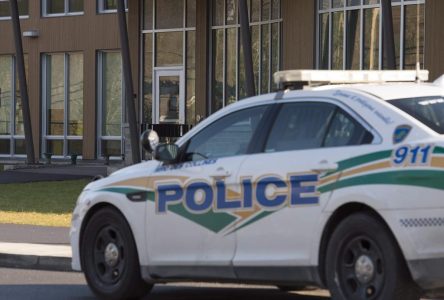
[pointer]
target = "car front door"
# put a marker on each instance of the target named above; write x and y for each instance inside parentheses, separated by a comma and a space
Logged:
(304, 144)
(186, 224)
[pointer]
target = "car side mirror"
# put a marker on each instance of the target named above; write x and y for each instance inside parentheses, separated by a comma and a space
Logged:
(166, 153)
(149, 140)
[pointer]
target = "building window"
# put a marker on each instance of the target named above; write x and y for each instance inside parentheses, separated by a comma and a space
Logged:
(111, 111)
(350, 34)
(169, 75)
(62, 7)
(109, 6)
(63, 103)
(5, 12)
(12, 136)
(228, 70)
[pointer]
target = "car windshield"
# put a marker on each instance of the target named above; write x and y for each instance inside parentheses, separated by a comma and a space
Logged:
(428, 110)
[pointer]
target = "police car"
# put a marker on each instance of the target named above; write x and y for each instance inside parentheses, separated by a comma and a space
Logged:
(339, 184)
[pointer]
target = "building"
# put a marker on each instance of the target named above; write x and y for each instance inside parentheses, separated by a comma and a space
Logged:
(186, 59)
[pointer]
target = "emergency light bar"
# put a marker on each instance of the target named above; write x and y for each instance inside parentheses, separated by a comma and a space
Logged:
(298, 77)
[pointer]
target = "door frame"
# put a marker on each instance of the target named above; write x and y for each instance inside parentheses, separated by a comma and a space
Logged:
(169, 71)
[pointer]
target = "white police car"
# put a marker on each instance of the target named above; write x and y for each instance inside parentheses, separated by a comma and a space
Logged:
(338, 186)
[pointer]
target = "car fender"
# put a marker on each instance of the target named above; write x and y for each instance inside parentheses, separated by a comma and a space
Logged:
(134, 214)
(360, 196)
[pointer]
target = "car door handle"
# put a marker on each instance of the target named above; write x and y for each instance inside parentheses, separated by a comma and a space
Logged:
(221, 173)
(325, 166)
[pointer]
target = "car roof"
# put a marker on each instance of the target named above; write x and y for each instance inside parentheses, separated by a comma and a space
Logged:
(383, 91)
(391, 91)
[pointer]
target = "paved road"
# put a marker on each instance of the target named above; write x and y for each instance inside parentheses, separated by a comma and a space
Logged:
(10, 233)
(41, 285)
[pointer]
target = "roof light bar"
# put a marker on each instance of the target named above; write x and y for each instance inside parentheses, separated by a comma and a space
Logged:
(348, 77)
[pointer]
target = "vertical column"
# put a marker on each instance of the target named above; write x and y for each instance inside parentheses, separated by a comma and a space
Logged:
(32, 49)
(247, 47)
(129, 88)
(202, 58)
(23, 83)
(388, 35)
(134, 33)
(34, 86)
(89, 104)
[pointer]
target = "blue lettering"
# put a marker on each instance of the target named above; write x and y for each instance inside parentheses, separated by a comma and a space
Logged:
(222, 202)
(168, 194)
(190, 198)
(297, 190)
(248, 193)
(261, 196)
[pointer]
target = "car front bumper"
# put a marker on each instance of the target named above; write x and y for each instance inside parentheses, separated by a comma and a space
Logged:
(74, 234)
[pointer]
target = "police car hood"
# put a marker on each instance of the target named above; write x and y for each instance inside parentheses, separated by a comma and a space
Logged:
(146, 167)
(143, 169)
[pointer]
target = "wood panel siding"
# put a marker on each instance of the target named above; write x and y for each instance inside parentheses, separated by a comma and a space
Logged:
(298, 34)
(434, 38)
(86, 33)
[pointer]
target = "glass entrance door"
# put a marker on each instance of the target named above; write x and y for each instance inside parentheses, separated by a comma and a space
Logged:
(170, 97)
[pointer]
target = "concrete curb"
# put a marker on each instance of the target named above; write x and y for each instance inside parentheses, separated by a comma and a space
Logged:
(35, 257)
(34, 262)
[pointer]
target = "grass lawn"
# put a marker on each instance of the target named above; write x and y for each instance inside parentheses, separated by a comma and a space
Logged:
(39, 203)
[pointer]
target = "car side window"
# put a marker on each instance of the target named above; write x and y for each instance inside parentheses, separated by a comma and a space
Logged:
(300, 126)
(228, 136)
(344, 130)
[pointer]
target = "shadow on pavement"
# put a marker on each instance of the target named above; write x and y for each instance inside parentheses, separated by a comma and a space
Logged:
(160, 292)
(45, 292)
(170, 292)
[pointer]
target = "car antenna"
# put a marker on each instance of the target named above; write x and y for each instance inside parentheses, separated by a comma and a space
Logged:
(418, 71)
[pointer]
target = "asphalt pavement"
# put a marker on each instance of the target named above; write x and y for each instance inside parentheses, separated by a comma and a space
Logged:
(34, 234)
(44, 285)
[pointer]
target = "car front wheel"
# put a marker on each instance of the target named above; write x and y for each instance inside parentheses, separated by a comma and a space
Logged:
(364, 262)
(109, 257)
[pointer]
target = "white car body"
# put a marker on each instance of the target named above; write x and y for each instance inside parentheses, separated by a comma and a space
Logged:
(284, 244)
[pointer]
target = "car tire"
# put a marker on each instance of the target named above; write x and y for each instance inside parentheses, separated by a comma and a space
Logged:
(364, 261)
(109, 257)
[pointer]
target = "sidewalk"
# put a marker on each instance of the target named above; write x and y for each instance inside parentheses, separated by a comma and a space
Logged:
(35, 247)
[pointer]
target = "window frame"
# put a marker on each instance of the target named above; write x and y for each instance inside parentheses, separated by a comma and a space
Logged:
(20, 16)
(100, 102)
(101, 8)
(154, 31)
(13, 137)
(65, 138)
(361, 8)
(45, 13)
(252, 23)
